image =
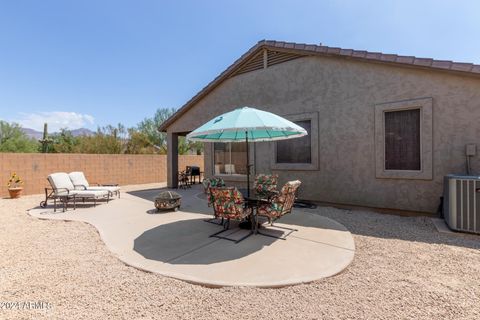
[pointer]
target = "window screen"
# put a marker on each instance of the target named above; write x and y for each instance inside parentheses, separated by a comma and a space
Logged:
(402, 140)
(297, 150)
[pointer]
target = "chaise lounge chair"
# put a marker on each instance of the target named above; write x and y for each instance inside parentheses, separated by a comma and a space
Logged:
(81, 183)
(63, 189)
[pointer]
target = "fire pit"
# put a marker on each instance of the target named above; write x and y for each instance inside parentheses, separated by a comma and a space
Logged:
(168, 200)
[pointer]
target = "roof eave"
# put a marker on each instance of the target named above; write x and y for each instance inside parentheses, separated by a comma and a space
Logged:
(464, 69)
(212, 85)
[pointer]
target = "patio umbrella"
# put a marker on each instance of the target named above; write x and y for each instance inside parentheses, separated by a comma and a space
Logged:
(244, 125)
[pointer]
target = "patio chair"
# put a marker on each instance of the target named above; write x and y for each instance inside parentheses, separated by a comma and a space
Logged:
(81, 183)
(212, 183)
(265, 185)
(280, 205)
(229, 204)
(63, 189)
(183, 180)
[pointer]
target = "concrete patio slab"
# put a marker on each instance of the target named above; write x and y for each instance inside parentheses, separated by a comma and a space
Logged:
(177, 244)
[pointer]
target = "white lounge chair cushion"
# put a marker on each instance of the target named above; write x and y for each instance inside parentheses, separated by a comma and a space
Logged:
(112, 189)
(61, 182)
(89, 193)
(78, 179)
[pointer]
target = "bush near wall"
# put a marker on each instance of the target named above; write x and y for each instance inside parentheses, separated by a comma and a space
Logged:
(123, 169)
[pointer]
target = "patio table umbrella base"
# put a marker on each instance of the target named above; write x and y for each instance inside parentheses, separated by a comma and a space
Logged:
(247, 224)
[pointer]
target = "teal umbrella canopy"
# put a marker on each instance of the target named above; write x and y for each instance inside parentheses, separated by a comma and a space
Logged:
(237, 125)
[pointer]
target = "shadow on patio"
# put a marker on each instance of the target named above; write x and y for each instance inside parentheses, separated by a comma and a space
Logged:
(178, 242)
(364, 223)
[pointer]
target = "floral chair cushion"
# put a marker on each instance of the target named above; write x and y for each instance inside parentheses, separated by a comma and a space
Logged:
(228, 203)
(282, 203)
(212, 183)
(265, 184)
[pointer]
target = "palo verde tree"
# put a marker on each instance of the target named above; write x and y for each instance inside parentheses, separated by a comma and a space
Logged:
(149, 127)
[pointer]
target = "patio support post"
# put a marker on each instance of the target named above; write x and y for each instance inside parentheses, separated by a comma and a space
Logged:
(248, 166)
(172, 160)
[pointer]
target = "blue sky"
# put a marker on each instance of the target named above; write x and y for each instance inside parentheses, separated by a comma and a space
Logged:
(88, 63)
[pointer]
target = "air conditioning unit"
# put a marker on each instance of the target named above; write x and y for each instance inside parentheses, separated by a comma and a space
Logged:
(461, 203)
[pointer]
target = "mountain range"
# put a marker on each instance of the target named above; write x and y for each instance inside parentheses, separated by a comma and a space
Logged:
(76, 132)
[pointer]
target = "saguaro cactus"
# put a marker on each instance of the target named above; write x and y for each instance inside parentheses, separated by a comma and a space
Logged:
(45, 141)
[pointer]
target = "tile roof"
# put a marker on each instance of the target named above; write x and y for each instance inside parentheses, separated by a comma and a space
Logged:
(303, 49)
(374, 56)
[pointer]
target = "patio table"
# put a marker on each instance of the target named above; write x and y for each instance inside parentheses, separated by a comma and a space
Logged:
(253, 201)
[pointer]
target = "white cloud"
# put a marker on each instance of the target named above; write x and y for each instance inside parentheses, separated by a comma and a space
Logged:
(56, 120)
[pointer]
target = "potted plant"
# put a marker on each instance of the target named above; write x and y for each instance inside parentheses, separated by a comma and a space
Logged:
(14, 186)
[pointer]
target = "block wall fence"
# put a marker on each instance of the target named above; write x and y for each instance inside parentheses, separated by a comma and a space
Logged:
(123, 169)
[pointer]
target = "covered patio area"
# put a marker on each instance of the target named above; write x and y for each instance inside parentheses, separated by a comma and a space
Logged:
(177, 244)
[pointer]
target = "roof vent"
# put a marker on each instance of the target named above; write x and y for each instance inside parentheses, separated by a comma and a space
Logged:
(255, 63)
(265, 59)
(275, 57)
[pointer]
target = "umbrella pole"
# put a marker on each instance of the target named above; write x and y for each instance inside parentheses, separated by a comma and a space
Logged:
(248, 166)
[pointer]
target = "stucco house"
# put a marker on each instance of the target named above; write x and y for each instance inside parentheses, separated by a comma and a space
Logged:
(383, 129)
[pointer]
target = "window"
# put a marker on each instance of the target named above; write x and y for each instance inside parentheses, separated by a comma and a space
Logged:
(230, 158)
(298, 153)
(402, 140)
(298, 150)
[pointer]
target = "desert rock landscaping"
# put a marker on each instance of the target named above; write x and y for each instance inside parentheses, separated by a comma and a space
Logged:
(403, 269)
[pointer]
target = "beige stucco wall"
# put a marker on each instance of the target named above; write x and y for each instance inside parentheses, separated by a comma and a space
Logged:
(344, 93)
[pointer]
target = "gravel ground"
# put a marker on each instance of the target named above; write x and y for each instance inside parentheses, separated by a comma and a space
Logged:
(403, 269)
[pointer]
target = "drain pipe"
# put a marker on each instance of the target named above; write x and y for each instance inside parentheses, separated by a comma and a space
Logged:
(468, 165)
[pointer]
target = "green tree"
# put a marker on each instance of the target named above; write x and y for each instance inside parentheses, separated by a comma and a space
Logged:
(149, 127)
(64, 142)
(107, 140)
(139, 143)
(98, 144)
(196, 146)
(185, 146)
(13, 139)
